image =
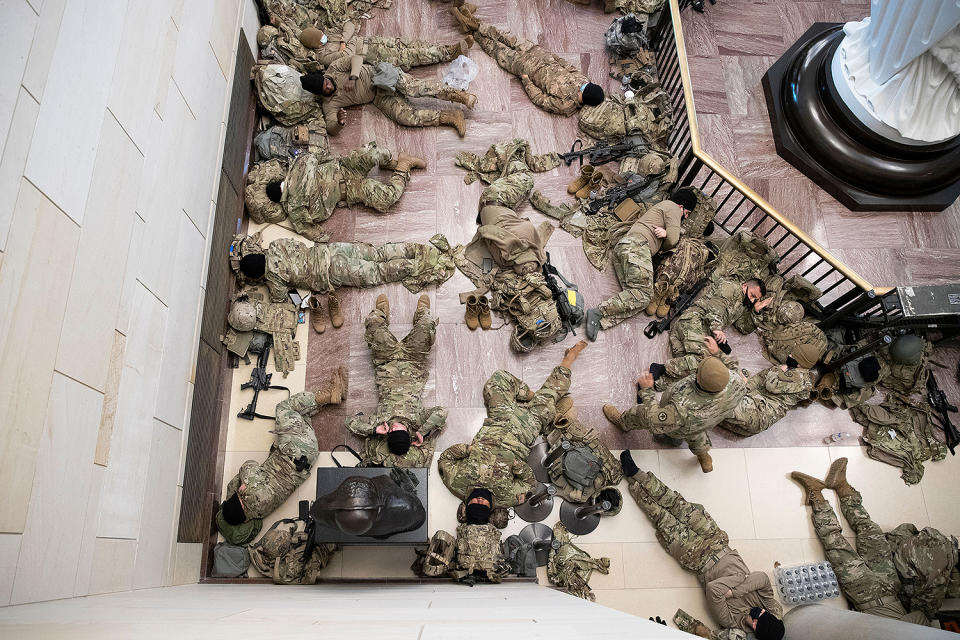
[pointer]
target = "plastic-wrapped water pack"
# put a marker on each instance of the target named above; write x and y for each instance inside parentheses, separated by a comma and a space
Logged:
(807, 583)
(461, 72)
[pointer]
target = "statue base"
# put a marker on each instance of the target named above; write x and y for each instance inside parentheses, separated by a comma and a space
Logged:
(818, 134)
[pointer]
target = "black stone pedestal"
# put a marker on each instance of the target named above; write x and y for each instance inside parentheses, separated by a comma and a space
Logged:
(816, 133)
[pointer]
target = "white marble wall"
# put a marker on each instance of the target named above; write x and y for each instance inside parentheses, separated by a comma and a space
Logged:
(111, 132)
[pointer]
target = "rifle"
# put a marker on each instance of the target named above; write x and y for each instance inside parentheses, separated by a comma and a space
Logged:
(569, 316)
(636, 186)
(259, 380)
(309, 526)
(602, 154)
(683, 301)
(941, 416)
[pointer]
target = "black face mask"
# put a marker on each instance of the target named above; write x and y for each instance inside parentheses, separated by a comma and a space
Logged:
(755, 612)
(791, 363)
(478, 513)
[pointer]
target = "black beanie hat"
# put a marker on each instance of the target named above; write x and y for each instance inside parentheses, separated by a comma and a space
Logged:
(769, 627)
(253, 265)
(233, 511)
(313, 82)
(478, 513)
(592, 94)
(480, 492)
(685, 197)
(869, 368)
(398, 442)
(275, 190)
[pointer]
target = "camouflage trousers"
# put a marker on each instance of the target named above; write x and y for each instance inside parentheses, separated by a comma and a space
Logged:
(514, 54)
(636, 418)
(508, 191)
(398, 107)
(686, 344)
(687, 623)
(866, 573)
(681, 269)
(685, 530)
(414, 347)
(406, 54)
(358, 264)
(359, 189)
(634, 267)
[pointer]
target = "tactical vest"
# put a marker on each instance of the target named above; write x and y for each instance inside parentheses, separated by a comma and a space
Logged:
(279, 554)
(618, 117)
(528, 300)
(279, 319)
(582, 468)
(570, 566)
(478, 549)
(436, 559)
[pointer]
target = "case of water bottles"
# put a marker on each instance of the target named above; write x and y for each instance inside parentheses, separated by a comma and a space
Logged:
(807, 583)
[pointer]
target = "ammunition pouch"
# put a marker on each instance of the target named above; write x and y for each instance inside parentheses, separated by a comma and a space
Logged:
(437, 558)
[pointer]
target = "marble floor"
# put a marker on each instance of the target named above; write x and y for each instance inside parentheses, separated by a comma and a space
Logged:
(749, 493)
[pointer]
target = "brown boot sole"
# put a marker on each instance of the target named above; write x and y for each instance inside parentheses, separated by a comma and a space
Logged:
(837, 475)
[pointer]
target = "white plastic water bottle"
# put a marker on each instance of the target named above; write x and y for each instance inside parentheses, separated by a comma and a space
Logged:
(836, 437)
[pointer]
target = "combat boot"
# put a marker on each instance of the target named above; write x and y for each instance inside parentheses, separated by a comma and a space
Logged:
(455, 120)
(701, 629)
(406, 162)
(317, 319)
(613, 414)
(483, 313)
(565, 406)
(423, 303)
(461, 48)
(456, 95)
(651, 309)
(334, 390)
(669, 296)
(706, 462)
(471, 317)
(837, 479)
(468, 24)
(586, 172)
(336, 313)
(812, 486)
(384, 305)
(593, 184)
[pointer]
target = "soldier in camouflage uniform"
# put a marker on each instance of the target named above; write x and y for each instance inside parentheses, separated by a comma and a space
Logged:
(280, 93)
(401, 433)
(301, 14)
(688, 533)
(647, 114)
(260, 487)
(687, 410)
(551, 83)
(570, 567)
(771, 392)
(315, 185)
(516, 416)
(326, 267)
(781, 328)
(340, 87)
(867, 575)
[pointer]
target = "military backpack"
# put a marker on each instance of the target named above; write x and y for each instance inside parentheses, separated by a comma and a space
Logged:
(279, 554)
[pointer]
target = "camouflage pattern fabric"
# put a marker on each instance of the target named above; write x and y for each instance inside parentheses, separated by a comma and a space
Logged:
(271, 482)
(912, 442)
(407, 54)
(323, 14)
(718, 307)
(261, 208)
(504, 159)
(905, 378)
(282, 44)
(280, 93)
(647, 114)
(741, 257)
(634, 266)
(685, 412)
(325, 267)
(638, 6)
(279, 319)
(770, 393)
(497, 457)
(568, 428)
(437, 558)
(686, 622)
(553, 83)
(926, 562)
(279, 554)
(570, 567)
(683, 267)
(401, 374)
(478, 550)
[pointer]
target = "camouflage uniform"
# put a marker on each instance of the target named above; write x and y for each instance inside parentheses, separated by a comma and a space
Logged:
(553, 83)
(280, 93)
(326, 267)
(686, 264)
(633, 262)
(868, 574)
(478, 551)
(279, 554)
(315, 186)
(770, 393)
(400, 52)
(504, 159)
(570, 567)
(717, 308)
(905, 378)
(323, 14)
(688, 533)
(687, 623)
(636, 6)
(685, 412)
(926, 562)
(395, 105)
(588, 441)
(271, 482)
(401, 374)
(497, 457)
(647, 114)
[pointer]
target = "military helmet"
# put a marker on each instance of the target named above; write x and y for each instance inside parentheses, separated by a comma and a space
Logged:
(907, 349)
(790, 312)
(243, 314)
(311, 38)
(499, 517)
(613, 496)
(712, 375)
(651, 164)
(265, 34)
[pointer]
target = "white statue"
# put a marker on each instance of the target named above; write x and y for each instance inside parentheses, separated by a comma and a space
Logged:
(899, 69)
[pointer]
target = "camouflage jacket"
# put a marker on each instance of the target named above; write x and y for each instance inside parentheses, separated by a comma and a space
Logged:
(554, 85)
(503, 159)
(905, 378)
(280, 93)
(684, 410)
(260, 207)
(311, 193)
(570, 567)
(647, 114)
(687, 623)
(741, 257)
(770, 393)
(566, 429)
(323, 14)
(926, 561)
(478, 549)
(279, 554)
(720, 306)
(465, 467)
(271, 482)
(375, 451)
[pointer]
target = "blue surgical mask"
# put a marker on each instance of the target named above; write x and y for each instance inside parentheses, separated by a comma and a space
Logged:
(584, 86)
(323, 39)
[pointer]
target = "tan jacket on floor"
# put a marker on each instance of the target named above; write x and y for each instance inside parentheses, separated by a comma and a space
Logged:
(750, 589)
(665, 214)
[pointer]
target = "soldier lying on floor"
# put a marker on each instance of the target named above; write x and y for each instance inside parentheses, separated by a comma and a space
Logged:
(315, 185)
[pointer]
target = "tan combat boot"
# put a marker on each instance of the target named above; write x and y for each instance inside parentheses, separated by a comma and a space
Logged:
(334, 390)
(651, 309)
(613, 414)
(456, 95)
(586, 172)
(594, 184)
(701, 629)
(609, 6)
(384, 305)
(706, 462)
(812, 486)
(471, 317)
(455, 120)
(483, 313)
(669, 296)
(317, 319)
(837, 478)
(406, 162)
(468, 24)
(336, 313)
(565, 407)
(423, 303)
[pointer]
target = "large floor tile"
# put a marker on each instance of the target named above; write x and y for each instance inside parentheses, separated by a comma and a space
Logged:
(937, 487)
(44, 45)
(378, 562)
(648, 566)
(656, 602)
(777, 502)
(616, 553)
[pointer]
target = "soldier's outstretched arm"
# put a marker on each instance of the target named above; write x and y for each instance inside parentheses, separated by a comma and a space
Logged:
(650, 415)
(523, 478)
(361, 424)
(436, 420)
